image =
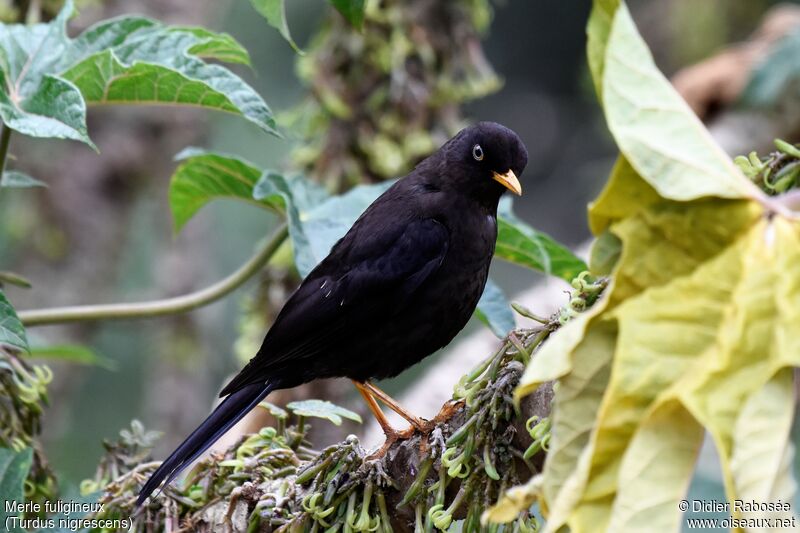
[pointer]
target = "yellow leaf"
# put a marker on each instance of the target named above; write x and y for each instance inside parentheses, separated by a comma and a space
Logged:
(514, 501)
(710, 338)
(624, 194)
(597, 30)
(695, 331)
(762, 453)
(656, 470)
(577, 401)
(655, 129)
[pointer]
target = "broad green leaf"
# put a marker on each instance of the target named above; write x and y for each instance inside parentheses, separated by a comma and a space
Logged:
(33, 100)
(12, 333)
(494, 310)
(654, 128)
(775, 75)
(351, 10)
(48, 78)
(156, 65)
(322, 409)
(20, 180)
(72, 353)
(54, 108)
(204, 176)
(219, 46)
(14, 467)
(519, 243)
(275, 13)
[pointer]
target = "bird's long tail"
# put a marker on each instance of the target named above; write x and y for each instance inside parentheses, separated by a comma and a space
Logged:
(227, 413)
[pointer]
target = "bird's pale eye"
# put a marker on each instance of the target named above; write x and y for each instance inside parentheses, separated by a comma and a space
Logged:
(477, 152)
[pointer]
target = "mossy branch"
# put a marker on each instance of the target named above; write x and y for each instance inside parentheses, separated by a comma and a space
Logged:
(167, 306)
(274, 481)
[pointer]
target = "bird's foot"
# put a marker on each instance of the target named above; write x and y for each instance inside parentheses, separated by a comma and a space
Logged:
(392, 436)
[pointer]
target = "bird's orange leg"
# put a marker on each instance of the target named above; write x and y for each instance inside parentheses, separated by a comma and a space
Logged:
(423, 426)
(375, 409)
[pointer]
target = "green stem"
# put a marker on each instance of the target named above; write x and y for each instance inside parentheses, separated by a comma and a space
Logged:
(168, 306)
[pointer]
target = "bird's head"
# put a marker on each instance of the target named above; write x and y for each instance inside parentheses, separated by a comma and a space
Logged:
(484, 160)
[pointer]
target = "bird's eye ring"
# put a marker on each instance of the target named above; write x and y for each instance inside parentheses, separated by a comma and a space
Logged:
(477, 152)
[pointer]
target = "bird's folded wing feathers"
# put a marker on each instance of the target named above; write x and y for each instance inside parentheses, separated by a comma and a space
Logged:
(382, 273)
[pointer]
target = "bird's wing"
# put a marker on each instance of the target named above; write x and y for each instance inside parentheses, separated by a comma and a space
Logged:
(366, 274)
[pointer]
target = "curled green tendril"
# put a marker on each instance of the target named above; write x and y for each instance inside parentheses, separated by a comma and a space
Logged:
(488, 465)
(539, 430)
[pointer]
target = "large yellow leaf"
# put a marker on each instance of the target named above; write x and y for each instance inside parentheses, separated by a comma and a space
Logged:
(761, 455)
(624, 194)
(656, 470)
(575, 408)
(694, 333)
(654, 128)
(709, 340)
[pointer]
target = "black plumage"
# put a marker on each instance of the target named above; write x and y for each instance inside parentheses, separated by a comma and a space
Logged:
(401, 283)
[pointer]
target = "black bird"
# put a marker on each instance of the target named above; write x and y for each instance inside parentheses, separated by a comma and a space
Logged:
(397, 287)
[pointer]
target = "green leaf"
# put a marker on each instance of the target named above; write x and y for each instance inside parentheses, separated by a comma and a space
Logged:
(220, 46)
(20, 180)
(275, 13)
(204, 176)
(351, 10)
(156, 65)
(323, 409)
(33, 100)
(72, 353)
(494, 310)
(12, 333)
(654, 128)
(519, 243)
(48, 78)
(299, 196)
(774, 76)
(274, 410)
(54, 109)
(14, 467)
